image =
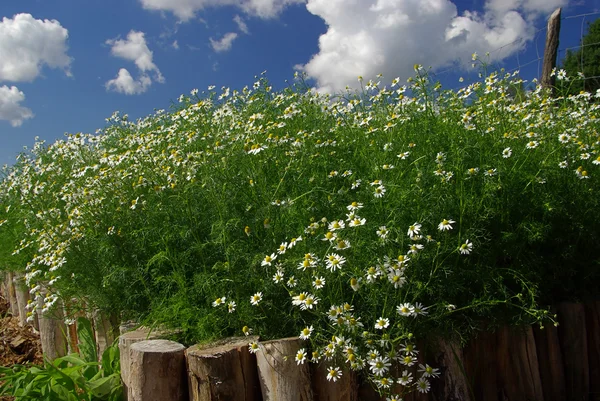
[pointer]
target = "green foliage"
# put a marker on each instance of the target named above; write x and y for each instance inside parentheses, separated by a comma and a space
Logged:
(70, 378)
(193, 218)
(585, 60)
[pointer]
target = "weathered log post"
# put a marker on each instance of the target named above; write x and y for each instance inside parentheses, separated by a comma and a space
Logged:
(572, 334)
(279, 375)
(12, 295)
(592, 322)
(22, 295)
(223, 370)
(551, 50)
(126, 341)
(106, 329)
(452, 383)
(157, 371)
(550, 359)
(53, 332)
(344, 389)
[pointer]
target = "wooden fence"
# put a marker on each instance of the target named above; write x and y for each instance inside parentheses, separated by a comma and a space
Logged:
(527, 363)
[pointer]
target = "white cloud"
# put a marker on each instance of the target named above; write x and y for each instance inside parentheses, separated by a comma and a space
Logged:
(391, 36)
(135, 49)
(10, 109)
(27, 44)
(175, 45)
(186, 9)
(223, 44)
(241, 24)
(124, 83)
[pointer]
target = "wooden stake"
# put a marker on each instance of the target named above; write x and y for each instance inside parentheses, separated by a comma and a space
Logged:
(551, 50)
(157, 371)
(52, 331)
(12, 295)
(279, 375)
(344, 389)
(452, 383)
(22, 295)
(223, 370)
(550, 360)
(572, 335)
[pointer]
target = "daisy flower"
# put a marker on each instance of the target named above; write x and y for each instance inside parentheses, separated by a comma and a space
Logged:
(269, 259)
(357, 221)
(382, 232)
(231, 306)
(408, 360)
(354, 206)
(292, 282)
(278, 276)
(319, 282)
(330, 236)
(354, 283)
(403, 155)
(246, 330)
(253, 347)
(333, 373)
(256, 298)
(342, 244)
(300, 356)
(309, 302)
(282, 248)
(334, 262)
(413, 230)
(380, 365)
(405, 309)
(423, 385)
(219, 302)
(466, 248)
(336, 225)
(428, 371)
(406, 378)
(356, 184)
(379, 191)
(446, 225)
(306, 332)
(420, 309)
(396, 277)
(382, 323)
(506, 153)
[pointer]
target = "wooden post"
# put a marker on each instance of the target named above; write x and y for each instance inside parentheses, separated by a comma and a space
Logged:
(125, 343)
(452, 383)
(481, 366)
(551, 50)
(550, 361)
(157, 371)
(22, 295)
(106, 330)
(223, 370)
(572, 335)
(279, 375)
(344, 389)
(52, 330)
(12, 295)
(592, 322)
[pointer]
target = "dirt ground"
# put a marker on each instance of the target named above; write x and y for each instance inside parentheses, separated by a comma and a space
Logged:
(18, 345)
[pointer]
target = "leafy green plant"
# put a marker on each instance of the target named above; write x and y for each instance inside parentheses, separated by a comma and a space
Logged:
(75, 377)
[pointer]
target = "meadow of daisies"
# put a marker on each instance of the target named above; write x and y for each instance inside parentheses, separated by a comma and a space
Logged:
(360, 222)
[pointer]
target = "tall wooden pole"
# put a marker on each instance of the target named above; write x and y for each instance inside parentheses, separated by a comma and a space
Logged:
(551, 50)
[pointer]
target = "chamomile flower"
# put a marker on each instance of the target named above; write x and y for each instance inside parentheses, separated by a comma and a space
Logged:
(336, 225)
(415, 248)
(354, 206)
(396, 277)
(253, 347)
(342, 244)
(382, 323)
(380, 365)
(309, 302)
(256, 298)
(282, 248)
(231, 306)
(466, 248)
(292, 282)
(246, 330)
(269, 259)
(408, 360)
(372, 273)
(506, 153)
(306, 332)
(428, 371)
(423, 385)
(405, 309)
(333, 373)
(219, 301)
(532, 144)
(419, 309)
(293, 242)
(403, 155)
(318, 282)
(382, 232)
(357, 221)
(278, 276)
(446, 225)
(405, 378)
(413, 230)
(356, 184)
(334, 262)
(379, 191)
(355, 284)
(300, 356)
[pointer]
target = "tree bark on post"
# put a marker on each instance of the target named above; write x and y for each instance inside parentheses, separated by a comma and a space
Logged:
(223, 370)
(344, 389)
(106, 330)
(12, 295)
(52, 330)
(572, 334)
(126, 341)
(279, 375)
(157, 371)
(22, 295)
(551, 50)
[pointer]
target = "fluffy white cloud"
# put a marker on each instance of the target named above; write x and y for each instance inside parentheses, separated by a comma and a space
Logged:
(125, 83)
(10, 109)
(186, 9)
(241, 24)
(224, 43)
(390, 36)
(27, 44)
(135, 49)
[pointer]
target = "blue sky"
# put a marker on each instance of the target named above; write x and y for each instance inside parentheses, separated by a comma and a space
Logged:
(66, 65)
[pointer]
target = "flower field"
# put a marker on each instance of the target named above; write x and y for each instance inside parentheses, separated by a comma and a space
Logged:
(359, 222)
